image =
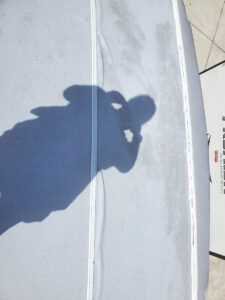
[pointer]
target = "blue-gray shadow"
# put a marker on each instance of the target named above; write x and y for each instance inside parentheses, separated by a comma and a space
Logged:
(45, 162)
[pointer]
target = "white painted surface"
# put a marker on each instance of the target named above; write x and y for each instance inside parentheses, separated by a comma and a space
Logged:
(45, 257)
(137, 211)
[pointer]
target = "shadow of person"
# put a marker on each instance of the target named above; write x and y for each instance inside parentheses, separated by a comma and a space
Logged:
(45, 162)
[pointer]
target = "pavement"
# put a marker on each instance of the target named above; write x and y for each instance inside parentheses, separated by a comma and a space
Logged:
(207, 18)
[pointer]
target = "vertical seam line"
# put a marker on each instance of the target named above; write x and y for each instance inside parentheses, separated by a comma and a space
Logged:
(190, 156)
(92, 207)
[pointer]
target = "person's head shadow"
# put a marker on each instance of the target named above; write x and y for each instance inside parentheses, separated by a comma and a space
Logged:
(45, 162)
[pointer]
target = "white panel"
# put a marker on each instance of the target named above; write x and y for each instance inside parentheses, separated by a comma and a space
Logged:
(213, 94)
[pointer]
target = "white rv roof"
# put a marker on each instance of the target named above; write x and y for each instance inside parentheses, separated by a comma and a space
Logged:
(103, 152)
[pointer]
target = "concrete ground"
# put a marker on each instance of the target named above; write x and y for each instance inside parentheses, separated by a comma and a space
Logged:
(207, 18)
